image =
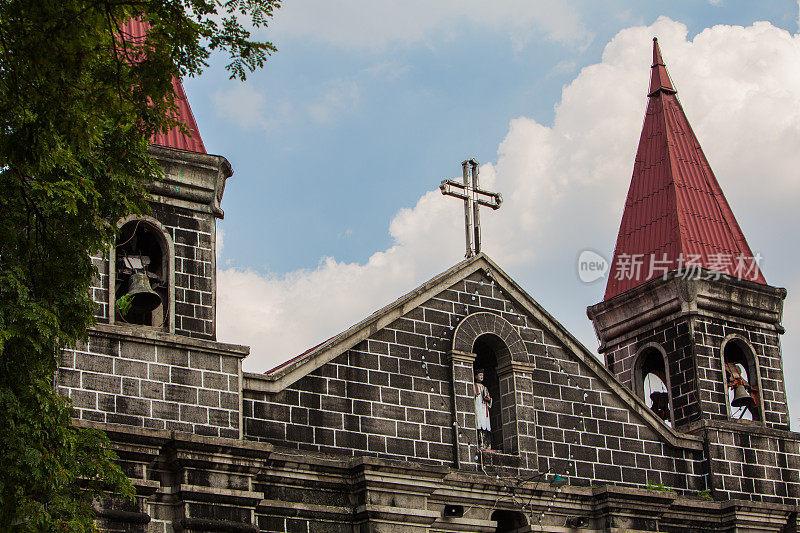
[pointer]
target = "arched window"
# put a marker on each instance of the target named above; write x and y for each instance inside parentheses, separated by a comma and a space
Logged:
(741, 380)
(142, 256)
(651, 381)
(486, 349)
(510, 521)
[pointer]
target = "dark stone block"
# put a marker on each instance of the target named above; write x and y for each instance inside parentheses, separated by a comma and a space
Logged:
(180, 393)
(126, 420)
(270, 411)
(265, 429)
(185, 376)
(69, 378)
(400, 381)
(410, 339)
(132, 406)
(295, 432)
(355, 375)
(218, 417)
(608, 472)
(310, 400)
(94, 363)
(365, 392)
(333, 403)
(194, 414)
(351, 440)
(363, 360)
(378, 426)
(400, 447)
(101, 382)
(172, 356)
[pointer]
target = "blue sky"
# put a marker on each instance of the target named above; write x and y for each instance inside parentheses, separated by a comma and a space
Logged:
(394, 118)
(339, 143)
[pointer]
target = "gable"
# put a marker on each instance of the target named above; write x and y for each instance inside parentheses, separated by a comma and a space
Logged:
(388, 387)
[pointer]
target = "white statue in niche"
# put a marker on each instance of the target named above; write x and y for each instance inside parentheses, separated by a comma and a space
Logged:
(483, 402)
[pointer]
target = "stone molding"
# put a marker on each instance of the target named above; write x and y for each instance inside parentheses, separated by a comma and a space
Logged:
(661, 300)
(145, 335)
(191, 180)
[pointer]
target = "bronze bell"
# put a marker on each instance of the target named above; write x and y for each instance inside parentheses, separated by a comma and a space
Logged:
(660, 405)
(143, 297)
(741, 397)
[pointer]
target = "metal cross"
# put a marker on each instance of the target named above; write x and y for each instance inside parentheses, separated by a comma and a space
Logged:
(473, 197)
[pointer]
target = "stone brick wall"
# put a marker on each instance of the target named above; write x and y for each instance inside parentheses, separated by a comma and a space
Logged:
(193, 235)
(99, 290)
(755, 463)
(153, 380)
(391, 397)
(675, 337)
(587, 433)
(709, 335)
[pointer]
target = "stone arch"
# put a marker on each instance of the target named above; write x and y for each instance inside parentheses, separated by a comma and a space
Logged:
(510, 521)
(737, 349)
(647, 357)
(477, 324)
(477, 333)
(168, 254)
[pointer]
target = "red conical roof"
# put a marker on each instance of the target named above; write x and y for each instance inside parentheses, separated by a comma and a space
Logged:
(676, 214)
(134, 30)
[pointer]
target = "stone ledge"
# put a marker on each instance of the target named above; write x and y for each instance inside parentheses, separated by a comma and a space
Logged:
(160, 338)
(158, 437)
(698, 426)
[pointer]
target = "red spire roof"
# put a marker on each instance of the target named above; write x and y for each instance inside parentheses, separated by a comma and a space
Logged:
(136, 29)
(676, 214)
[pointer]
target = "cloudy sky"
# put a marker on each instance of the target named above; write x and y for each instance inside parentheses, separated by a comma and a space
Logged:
(340, 142)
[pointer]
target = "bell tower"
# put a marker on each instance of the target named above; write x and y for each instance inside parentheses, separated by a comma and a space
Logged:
(161, 273)
(688, 320)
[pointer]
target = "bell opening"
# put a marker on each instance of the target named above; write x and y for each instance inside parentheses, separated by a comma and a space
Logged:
(141, 295)
(741, 382)
(651, 383)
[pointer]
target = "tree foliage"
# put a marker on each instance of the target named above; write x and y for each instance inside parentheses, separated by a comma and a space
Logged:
(79, 101)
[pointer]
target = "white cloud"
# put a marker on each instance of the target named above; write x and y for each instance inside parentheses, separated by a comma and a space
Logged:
(564, 187)
(375, 24)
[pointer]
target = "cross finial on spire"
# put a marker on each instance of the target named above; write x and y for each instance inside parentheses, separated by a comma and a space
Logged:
(473, 197)
(659, 79)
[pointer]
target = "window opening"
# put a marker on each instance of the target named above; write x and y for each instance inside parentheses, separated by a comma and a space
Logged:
(651, 379)
(485, 369)
(741, 382)
(141, 292)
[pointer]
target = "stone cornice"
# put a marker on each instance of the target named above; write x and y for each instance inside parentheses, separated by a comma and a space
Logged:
(191, 180)
(160, 338)
(661, 300)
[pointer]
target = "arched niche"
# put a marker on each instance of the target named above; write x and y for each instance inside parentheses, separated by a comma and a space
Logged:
(488, 349)
(142, 236)
(740, 367)
(490, 342)
(651, 380)
(510, 521)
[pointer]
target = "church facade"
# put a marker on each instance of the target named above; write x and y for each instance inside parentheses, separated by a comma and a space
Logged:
(683, 426)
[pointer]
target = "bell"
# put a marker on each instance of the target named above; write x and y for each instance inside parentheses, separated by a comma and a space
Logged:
(660, 405)
(143, 297)
(741, 398)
